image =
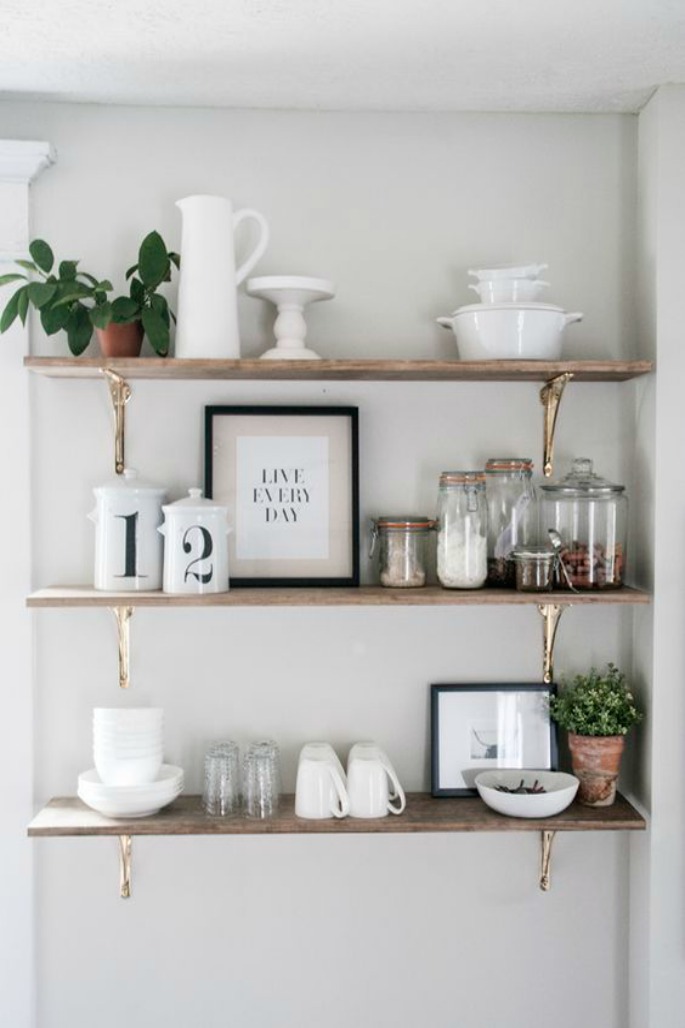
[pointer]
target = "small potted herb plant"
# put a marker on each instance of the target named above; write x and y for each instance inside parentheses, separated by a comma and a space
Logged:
(76, 302)
(597, 710)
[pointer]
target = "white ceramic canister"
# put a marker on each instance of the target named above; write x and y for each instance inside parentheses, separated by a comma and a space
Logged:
(195, 534)
(128, 549)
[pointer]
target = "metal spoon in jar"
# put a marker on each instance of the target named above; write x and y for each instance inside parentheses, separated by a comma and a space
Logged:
(558, 545)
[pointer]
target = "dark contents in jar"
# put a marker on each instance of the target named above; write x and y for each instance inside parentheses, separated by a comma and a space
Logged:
(501, 572)
(588, 568)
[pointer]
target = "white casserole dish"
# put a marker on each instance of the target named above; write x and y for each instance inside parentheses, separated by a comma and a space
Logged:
(509, 331)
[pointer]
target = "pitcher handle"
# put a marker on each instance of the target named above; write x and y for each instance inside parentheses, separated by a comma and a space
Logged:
(398, 791)
(262, 243)
(343, 808)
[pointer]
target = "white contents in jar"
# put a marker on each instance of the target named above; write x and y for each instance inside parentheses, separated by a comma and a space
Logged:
(401, 564)
(462, 558)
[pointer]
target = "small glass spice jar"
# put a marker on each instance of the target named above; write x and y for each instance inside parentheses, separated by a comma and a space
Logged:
(534, 568)
(401, 543)
(462, 530)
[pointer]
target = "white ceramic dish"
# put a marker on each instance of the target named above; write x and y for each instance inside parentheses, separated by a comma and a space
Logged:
(509, 290)
(560, 790)
(508, 271)
(509, 331)
(131, 801)
(127, 771)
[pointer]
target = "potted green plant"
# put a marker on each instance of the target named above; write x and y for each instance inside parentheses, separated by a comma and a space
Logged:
(597, 709)
(76, 302)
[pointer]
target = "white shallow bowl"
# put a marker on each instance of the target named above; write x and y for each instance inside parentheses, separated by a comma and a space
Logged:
(508, 271)
(509, 331)
(131, 801)
(131, 771)
(560, 790)
(509, 290)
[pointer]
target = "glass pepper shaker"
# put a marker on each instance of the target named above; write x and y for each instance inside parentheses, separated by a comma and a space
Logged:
(401, 543)
(462, 530)
(512, 514)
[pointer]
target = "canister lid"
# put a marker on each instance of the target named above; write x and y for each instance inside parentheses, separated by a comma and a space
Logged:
(508, 464)
(128, 480)
(582, 481)
(409, 522)
(194, 503)
(462, 478)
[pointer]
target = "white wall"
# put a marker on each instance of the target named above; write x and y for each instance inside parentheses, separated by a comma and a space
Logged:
(373, 931)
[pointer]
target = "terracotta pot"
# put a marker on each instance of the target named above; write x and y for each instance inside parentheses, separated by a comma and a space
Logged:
(121, 340)
(596, 760)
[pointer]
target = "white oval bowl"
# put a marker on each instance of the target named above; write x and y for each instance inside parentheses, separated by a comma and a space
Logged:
(509, 290)
(508, 271)
(122, 771)
(560, 790)
(509, 331)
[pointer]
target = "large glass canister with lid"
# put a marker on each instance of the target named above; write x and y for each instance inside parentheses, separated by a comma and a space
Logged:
(462, 530)
(401, 543)
(512, 514)
(590, 515)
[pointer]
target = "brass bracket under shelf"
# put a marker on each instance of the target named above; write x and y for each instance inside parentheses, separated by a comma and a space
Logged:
(546, 840)
(125, 848)
(120, 393)
(122, 616)
(551, 613)
(550, 397)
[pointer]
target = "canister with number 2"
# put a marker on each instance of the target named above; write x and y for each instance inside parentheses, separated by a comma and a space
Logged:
(195, 534)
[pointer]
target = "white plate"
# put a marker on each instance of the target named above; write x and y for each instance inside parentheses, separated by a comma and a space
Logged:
(131, 800)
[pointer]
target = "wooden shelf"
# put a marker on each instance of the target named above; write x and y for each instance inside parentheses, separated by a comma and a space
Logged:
(362, 596)
(339, 370)
(69, 816)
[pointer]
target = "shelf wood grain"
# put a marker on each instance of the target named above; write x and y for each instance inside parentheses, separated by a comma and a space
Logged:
(339, 370)
(69, 816)
(353, 596)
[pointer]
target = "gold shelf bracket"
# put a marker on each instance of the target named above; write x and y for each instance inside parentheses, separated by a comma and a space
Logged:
(546, 840)
(125, 848)
(122, 616)
(551, 613)
(550, 398)
(120, 393)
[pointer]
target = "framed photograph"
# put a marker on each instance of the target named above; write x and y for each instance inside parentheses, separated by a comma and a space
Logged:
(289, 477)
(481, 727)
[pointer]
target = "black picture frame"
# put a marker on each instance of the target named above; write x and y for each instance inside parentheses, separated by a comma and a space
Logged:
(476, 727)
(299, 467)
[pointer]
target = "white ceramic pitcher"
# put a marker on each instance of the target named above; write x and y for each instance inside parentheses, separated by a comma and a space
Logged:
(207, 308)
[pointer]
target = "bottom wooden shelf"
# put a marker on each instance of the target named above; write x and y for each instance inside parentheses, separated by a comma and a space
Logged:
(64, 816)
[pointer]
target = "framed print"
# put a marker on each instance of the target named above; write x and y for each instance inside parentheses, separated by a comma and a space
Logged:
(289, 477)
(479, 727)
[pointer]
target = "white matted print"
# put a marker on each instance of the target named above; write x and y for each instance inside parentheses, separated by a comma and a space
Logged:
(479, 727)
(289, 478)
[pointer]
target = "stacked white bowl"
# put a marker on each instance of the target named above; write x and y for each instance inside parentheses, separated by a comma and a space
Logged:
(129, 778)
(518, 284)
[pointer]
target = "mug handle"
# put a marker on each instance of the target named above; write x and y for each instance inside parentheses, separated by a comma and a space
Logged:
(397, 790)
(343, 808)
(249, 263)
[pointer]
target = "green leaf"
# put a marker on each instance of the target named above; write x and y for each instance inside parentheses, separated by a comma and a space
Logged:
(79, 329)
(29, 265)
(11, 310)
(4, 279)
(125, 309)
(53, 319)
(42, 254)
(106, 286)
(153, 261)
(101, 315)
(93, 281)
(131, 271)
(175, 258)
(160, 305)
(41, 293)
(67, 270)
(156, 331)
(137, 291)
(23, 304)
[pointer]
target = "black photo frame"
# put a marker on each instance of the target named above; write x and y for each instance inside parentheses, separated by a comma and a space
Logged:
(289, 477)
(478, 727)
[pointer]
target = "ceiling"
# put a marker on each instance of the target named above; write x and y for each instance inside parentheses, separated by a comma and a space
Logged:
(363, 55)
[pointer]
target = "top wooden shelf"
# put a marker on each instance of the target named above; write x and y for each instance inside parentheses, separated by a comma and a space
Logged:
(339, 370)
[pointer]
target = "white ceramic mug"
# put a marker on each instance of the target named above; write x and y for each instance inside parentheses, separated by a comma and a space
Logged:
(372, 783)
(320, 790)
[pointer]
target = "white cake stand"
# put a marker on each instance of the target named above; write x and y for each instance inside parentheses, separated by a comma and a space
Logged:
(290, 294)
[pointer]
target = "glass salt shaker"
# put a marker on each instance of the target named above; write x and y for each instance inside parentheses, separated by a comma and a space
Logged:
(401, 543)
(462, 530)
(512, 514)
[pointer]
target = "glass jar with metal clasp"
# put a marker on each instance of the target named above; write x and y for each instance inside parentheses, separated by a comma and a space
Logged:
(512, 514)
(401, 542)
(462, 530)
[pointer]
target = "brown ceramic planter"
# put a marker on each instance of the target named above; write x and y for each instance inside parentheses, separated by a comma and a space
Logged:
(121, 340)
(596, 760)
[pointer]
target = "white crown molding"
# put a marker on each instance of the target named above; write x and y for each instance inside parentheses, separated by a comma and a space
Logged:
(23, 160)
